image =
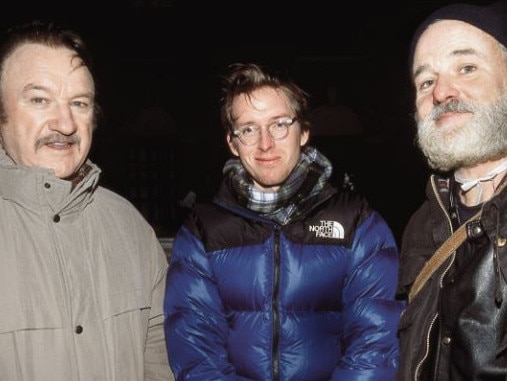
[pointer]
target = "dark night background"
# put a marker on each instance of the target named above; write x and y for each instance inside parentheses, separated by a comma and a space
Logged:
(158, 68)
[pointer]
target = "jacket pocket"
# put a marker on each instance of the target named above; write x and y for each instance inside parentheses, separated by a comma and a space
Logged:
(124, 302)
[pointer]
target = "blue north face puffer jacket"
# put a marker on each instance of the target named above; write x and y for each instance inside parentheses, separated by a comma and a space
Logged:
(247, 299)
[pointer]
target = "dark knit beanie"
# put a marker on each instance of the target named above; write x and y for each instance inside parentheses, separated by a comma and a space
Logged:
(491, 18)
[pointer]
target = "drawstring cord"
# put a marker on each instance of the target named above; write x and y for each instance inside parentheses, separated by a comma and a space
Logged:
(467, 184)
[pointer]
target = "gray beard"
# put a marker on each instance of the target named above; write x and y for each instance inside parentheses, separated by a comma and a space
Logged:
(482, 139)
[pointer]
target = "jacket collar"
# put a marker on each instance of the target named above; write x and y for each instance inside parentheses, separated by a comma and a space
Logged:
(39, 190)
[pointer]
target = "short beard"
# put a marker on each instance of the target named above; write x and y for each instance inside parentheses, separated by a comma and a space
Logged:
(482, 139)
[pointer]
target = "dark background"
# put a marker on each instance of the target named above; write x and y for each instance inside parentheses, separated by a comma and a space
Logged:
(158, 68)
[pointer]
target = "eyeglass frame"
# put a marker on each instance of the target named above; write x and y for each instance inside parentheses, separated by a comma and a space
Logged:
(286, 122)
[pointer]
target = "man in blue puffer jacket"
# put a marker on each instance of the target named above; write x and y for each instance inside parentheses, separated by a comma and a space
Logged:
(283, 276)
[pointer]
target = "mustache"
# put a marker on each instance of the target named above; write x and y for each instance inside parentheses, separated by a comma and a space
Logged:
(454, 105)
(57, 138)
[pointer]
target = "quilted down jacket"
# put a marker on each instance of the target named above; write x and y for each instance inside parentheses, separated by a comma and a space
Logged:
(248, 299)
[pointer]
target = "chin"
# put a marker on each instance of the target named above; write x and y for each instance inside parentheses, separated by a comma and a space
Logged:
(63, 174)
(269, 187)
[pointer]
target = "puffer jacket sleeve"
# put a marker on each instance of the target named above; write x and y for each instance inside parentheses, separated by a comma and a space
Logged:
(371, 313)
(195, 320)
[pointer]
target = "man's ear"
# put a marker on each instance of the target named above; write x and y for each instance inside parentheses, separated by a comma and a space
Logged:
(232, 144)
(305, 136)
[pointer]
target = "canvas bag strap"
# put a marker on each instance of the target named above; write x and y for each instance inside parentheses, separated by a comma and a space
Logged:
(443, 252)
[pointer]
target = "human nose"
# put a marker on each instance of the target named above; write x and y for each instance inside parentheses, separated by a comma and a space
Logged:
(266, 141)
(63, 121)
(444, 90)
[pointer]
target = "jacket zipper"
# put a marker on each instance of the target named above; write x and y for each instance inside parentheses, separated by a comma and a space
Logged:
(274, 307)
(427, 341)
(427, 333)
(451, 229)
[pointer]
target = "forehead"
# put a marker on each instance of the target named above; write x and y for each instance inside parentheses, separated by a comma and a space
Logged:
(444, 38)
(264, 98)
(31, 61)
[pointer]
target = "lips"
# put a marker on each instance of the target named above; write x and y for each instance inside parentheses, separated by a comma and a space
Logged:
(267, 160)
(59, 144)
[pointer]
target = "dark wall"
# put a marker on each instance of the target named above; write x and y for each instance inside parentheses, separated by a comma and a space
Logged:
(158, 69)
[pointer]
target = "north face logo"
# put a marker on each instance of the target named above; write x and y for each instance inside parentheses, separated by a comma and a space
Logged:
(328, 229)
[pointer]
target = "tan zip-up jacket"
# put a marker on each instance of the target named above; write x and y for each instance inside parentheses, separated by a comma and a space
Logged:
(82, 278)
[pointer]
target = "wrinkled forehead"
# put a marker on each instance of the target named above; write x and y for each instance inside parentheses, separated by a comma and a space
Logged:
(32, 61)
(448, 38)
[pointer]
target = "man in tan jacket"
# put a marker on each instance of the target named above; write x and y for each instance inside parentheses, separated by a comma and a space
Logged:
(82, 274)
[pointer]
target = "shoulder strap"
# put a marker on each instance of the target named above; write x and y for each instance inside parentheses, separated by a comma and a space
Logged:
(447, 248)
(443, 252)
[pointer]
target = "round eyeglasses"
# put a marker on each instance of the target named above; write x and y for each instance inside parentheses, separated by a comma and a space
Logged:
(251, 134)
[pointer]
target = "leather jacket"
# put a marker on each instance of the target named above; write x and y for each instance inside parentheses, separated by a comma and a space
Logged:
(454, 329)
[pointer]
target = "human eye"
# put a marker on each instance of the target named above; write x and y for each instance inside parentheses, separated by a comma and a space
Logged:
(248, 130)
(37, 100)
(282, 123)
(468, 69)
(80, 104)
(426, 84)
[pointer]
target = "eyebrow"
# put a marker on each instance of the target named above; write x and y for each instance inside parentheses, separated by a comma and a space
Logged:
(33, 86)
(455, 53)
(269, 120)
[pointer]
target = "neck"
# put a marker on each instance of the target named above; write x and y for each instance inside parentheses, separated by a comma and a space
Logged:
(478, 183)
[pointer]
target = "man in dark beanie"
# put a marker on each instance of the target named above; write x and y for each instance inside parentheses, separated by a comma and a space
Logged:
(455, 324)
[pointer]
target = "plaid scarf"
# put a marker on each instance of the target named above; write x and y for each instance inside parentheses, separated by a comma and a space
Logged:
(301, 187)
